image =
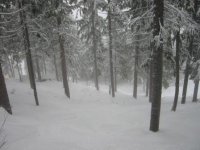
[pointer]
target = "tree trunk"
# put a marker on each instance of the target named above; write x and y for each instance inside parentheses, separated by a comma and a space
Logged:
(115, 69)
(38, 68)
(196, 87)
(44, 64)
(136, 71)
(177, 71)
(28, 50)
(22, 20)
(95, 47)
(190, 49)
(4, 100)
(150, 81)
(147, 84)
(157, 65)
(110, 51)
(28, 69)
(185, 84)
(63, 60)
(29, 61)
(55, 65)
(13, 69)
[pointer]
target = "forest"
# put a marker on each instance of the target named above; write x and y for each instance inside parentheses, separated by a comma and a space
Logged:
(93, 74)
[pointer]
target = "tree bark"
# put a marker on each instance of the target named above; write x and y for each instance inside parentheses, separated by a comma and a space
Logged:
(63, 60)
(110, 50)
(196, 87)
(28, 69)
(150, 81)
(95, 48)
(147, 84)
(38, 68)
(157, 65)
(28, 50)
(177, 71)
(185, 84)
(22, 20)
(44, 64)
(186, 78)
(4, 100)
(55, 65)
(136, 71)
(115, 70)
(13, 69)
(29, 61)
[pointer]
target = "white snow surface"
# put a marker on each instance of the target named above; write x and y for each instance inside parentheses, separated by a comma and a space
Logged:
(92, 120)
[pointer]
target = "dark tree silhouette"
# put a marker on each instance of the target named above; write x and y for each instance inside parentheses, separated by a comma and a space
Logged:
(177, 70)
(110, 50)
(187, 73)
(94, 40)
(157, 65)
(4, 100)
(63, 59)
(23, 20)
(135, 82)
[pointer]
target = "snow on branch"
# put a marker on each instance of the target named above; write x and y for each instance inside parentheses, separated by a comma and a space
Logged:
(180, 18)
(135, 20)
(11, 31)
(14, 12)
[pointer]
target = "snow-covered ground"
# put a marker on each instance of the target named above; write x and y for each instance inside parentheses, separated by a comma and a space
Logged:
(93, 120)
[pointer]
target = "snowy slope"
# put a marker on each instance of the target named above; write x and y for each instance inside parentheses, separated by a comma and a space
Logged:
(93, 120)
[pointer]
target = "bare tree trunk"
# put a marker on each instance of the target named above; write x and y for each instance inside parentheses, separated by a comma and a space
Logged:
(63, 60)
(28, 69)
(28, 50)
(115, 69)
(185, 84)
(44, 65)
(4, 100)
(55, 65)
(13, 69)
(157, 66)
(115, 54)
(150, 81)
(177, 71)
(29, 61)
(95, 47)
(136, 71)
(110, 50)
(147, 84)
(196, 87)
(190, 49)
(22, 20)
(38, 68)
